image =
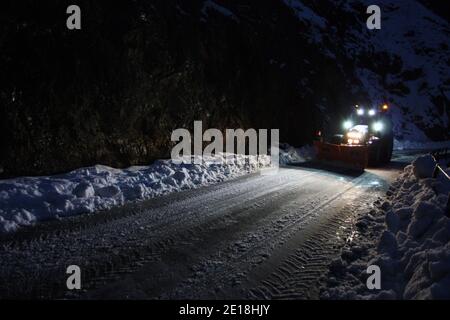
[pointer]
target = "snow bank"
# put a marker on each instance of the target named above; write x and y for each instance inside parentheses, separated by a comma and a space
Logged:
(292, 155)
(25, 201)
(305, 13)
(418, 145)
(407, 236)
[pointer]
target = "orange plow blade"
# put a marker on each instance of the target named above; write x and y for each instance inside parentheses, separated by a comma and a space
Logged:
(346, 156)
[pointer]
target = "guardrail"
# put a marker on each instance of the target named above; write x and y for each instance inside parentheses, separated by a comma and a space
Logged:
(439, 155)
(442, 154)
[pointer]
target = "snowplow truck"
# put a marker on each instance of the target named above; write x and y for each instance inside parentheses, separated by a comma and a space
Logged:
(367, 140)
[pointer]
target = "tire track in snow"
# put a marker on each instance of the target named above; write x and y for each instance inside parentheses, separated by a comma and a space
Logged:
(243, 216)
(298, 275)
(103, 252)
(256, 211)
(238, 264)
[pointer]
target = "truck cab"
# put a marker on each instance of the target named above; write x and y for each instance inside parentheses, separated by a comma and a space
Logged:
(372, 128)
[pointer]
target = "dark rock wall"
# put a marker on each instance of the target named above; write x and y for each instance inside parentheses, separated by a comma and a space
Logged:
(113, 92)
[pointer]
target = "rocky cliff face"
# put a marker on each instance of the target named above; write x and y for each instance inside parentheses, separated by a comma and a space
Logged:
(112, 92)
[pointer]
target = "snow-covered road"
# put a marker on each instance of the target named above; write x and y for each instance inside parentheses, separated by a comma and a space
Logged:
(257, 236)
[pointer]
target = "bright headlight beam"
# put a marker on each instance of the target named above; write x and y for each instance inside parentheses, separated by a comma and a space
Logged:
(360, 112)
(371, 112)
(377, 126)
(348, 124)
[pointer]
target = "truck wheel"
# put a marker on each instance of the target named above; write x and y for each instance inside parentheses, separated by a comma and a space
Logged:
(387, 147)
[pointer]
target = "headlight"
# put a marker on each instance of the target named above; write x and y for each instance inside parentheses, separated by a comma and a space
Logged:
(348, 124)
(351, 141)
(372, 112)
(360, 112)
(377, 126)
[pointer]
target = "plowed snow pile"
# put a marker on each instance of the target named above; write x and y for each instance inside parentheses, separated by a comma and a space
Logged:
(25, 201)
(290, 155)
(407, 236)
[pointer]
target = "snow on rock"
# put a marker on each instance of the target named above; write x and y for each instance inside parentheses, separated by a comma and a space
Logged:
(420, 145)
(411, 97)
(211, 5)
(405, 63)
(27, 200)
(305, 13)
(407, 236)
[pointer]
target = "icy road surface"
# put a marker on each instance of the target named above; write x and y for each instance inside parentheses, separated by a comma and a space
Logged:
(258, 236)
